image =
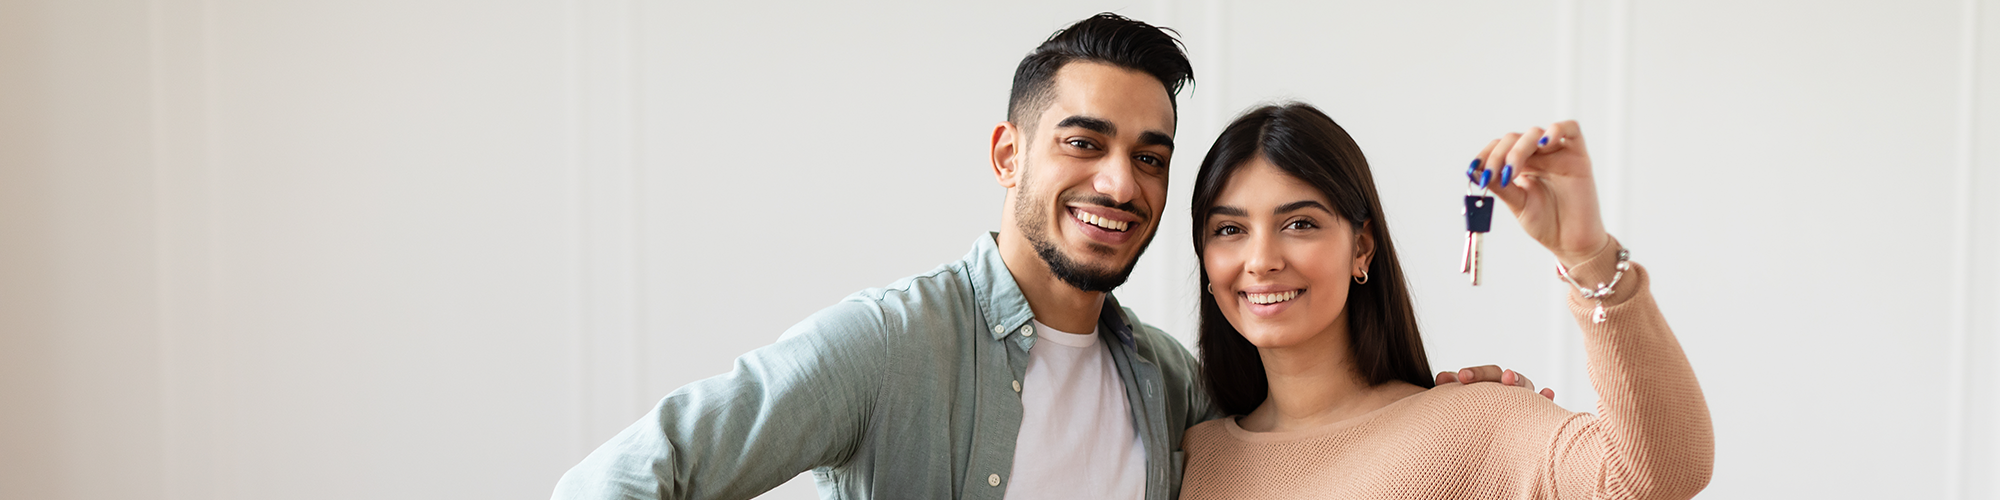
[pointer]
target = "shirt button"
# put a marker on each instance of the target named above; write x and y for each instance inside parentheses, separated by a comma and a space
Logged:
(993, 480)
(1017, 386)
(996, 329)
(1028, 331)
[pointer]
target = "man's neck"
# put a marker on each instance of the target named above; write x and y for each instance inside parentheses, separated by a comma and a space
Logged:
(1054, 302)
(1316, 383)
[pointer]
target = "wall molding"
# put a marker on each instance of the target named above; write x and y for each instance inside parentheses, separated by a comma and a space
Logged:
(196, 402)
(1971, 464)
(603, 137)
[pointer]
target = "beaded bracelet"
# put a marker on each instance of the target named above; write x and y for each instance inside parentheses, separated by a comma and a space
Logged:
(1603, 289)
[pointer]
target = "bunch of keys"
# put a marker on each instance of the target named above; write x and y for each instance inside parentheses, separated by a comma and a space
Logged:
(1478, 218)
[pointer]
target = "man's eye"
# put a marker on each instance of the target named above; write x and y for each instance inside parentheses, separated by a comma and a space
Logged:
(1152, 160)
(1080, 143)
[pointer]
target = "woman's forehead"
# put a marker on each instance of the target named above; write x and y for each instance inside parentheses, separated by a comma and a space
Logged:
(1258, 185)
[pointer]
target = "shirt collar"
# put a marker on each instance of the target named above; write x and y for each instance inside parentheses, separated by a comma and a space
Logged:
(1005, 308)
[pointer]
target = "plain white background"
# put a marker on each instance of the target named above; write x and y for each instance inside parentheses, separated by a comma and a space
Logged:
(441, 249)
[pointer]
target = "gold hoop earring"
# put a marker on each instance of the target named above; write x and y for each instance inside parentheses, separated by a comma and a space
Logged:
(1363, 279)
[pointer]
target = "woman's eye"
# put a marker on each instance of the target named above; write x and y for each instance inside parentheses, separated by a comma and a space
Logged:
(1300, 224)
(1228, 230)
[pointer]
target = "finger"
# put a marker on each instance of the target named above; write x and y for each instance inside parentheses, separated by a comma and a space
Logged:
(1472, 172)
(1497, 155)
(1447, 378)
(1524, 146)
(1487, 373)
(1516, 379)
(1508, 185)
(1561, 135)
(1549, 393)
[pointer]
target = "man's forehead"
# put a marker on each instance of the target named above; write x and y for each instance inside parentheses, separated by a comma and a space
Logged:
(1132, 100)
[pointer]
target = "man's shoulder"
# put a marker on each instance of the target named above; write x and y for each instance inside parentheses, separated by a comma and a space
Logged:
(944, 282)
(926, 299)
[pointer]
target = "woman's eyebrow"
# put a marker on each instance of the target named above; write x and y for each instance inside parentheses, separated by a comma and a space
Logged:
(1227, 210)
(1301, 204)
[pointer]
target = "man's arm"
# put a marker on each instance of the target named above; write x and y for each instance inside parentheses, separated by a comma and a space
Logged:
(786, 408)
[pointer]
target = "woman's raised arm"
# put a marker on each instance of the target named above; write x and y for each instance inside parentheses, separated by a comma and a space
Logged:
(1652, 437)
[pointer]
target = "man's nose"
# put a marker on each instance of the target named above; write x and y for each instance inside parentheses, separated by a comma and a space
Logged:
(1115, 179)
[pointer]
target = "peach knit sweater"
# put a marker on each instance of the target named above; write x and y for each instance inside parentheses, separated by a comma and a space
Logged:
(1651, 438)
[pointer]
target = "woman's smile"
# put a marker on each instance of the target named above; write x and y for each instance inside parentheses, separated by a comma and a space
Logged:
(1268, 302)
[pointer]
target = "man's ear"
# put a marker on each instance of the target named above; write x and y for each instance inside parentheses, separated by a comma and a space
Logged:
(1007, 150)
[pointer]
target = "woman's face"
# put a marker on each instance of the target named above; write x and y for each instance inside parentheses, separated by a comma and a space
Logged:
(1279, 261)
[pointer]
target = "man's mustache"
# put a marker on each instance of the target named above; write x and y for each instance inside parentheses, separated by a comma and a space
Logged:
(1105, 201)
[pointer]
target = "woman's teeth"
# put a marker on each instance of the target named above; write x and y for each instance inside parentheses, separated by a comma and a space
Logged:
(1107, 224)
(1272, 298)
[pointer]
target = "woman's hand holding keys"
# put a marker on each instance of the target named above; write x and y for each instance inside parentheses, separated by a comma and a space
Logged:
(1545, 178)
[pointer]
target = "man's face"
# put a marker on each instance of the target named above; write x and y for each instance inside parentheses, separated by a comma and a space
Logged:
(1094, 175)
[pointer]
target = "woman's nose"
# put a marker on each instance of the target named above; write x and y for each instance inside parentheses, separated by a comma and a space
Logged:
(1263, 257)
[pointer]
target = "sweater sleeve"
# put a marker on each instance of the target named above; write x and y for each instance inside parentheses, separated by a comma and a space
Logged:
(1652, 437)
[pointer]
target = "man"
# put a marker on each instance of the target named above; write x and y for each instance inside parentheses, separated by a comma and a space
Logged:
(1011, 373)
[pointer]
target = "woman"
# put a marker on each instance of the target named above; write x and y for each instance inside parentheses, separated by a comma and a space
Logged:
(1308, 337)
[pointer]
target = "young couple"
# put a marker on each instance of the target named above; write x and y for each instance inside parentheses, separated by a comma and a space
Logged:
(1013, 372)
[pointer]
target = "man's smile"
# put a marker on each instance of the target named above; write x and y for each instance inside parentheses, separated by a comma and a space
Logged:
(1108, 227)
(1103, 222)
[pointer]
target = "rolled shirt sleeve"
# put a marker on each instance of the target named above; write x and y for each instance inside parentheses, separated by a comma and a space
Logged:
(785, 408)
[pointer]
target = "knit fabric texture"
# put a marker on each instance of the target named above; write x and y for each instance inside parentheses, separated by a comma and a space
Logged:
(1650, 439)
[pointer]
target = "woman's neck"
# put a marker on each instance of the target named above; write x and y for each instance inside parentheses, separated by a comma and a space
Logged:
(1315, 383)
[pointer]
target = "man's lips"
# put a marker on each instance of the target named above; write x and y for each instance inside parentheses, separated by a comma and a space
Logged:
(1102, 230)
(1117, 221)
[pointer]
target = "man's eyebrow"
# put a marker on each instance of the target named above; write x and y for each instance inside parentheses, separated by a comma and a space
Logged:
(1151, 138)
(1301, 204)
(1227, 210)
(1087, 123)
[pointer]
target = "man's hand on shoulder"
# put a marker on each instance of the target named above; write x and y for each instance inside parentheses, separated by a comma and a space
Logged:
(1492, 373)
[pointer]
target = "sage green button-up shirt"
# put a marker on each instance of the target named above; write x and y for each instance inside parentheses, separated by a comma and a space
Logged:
(906, 391)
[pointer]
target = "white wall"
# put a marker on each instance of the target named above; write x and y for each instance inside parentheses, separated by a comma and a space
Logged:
(442, 249)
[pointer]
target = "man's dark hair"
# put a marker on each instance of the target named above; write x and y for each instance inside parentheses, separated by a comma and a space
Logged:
(1104, 38)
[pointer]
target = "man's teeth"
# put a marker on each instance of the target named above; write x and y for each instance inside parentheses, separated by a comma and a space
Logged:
(1272, 298)
(1114, 225)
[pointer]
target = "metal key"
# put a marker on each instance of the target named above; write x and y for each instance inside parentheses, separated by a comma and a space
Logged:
(1478, 220)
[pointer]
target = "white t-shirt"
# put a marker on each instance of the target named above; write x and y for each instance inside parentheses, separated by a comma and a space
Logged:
(1077, 438)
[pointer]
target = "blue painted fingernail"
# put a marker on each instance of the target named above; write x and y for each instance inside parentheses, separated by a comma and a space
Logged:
(1545, 140)
(1506, 175)
(1485, 177)
(1475, 165)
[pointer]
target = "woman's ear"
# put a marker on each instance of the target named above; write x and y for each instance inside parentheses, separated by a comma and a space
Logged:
(1364, 247)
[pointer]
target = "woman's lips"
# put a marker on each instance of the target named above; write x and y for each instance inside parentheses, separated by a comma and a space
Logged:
(1267, 303)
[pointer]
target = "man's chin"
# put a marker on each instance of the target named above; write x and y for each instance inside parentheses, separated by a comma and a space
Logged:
(1092, 273)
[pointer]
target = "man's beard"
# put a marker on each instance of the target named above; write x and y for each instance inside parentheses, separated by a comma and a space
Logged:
(1034, 227)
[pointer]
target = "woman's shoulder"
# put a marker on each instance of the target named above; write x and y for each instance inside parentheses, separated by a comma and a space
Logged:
(1486, 402)
(1207, 432)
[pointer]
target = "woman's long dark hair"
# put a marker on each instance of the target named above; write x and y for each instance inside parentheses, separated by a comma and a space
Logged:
(1381, 323)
